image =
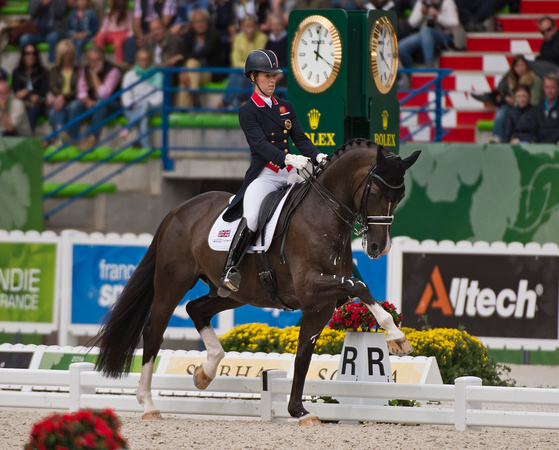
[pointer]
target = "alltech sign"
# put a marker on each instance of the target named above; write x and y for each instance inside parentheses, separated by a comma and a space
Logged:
(492, 295)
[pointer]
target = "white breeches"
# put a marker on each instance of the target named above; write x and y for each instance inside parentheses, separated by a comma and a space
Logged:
(266, 182)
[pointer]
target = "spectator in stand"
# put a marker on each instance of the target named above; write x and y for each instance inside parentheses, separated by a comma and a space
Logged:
(222, 20)
(182, 23)
(164, 47)
(81, 25)
(277, 38)
(48, 17)
(98, 80)
(13, 117)
(30, 83)
(518, 123)
(116, 28)
(201, 47)
(145, 12)
(545, 126)
(284, 7)
(436, 20)
(245, 8)
(144, 96)
(548, 59)
(63, 84)
(474, 12)
(503, 96)
(263, 11)
(249, 39)
(98, 7)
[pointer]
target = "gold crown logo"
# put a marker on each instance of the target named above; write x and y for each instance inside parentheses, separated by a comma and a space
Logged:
(385, 119)
(314, 118)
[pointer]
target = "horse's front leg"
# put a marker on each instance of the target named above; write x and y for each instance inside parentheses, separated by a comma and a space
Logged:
(351, 287)
(312, 324)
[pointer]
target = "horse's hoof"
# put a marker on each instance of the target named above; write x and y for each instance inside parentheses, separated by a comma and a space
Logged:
(399, 347)
(201, 380)
(309, 421)
(152, 415)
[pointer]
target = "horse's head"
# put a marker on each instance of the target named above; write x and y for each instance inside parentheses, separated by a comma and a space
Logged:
(383, 190)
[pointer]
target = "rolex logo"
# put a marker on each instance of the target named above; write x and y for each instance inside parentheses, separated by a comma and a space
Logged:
(385, 119)
(314, 118)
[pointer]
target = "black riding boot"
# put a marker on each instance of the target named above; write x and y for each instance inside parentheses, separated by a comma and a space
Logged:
(231, 278)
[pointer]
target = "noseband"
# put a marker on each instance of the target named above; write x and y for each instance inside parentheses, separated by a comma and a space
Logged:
(364, 219)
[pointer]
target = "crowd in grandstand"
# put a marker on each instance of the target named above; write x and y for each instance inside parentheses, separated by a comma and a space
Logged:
(221, 33)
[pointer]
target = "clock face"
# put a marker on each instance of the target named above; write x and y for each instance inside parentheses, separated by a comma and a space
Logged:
(316, 54)
(384, 55)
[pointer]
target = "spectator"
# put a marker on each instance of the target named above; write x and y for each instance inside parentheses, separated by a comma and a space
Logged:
(183, 23)
(116, 28)
(145, 12)
(222, 20)
(98, 80)
(98, 7)
(81, 25)
(263, 10)
(283, 7)
(436, 19)
(244, 8)
(30, 83)
(63, 83)
(503, 96)
(201, 48)
(164, 47)
(141, 98)
(545, 126)
(247, 40)
(548, 59)
(474, 12)
(518, 123)
(13, 118)
(277, 38)
(48, 17)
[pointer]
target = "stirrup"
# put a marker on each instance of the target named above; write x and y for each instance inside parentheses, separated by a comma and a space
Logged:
(229, 282)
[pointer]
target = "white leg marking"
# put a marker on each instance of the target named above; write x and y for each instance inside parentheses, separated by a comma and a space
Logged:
(143, 394)
(385, 321)
(214, 349)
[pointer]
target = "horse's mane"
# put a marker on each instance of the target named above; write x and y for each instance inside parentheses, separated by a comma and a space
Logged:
(348, 146)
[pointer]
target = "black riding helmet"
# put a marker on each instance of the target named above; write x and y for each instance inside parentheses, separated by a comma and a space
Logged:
(261, 61)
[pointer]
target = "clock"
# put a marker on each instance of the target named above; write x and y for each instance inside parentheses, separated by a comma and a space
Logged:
(383, 46)
(316, 54)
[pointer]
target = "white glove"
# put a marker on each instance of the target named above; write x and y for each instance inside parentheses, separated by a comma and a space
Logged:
(297, 161)
(321, 157)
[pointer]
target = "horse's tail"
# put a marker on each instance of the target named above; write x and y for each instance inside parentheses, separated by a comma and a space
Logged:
(120, 334)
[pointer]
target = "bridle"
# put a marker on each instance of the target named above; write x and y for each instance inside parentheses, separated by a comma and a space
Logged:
(360, 217)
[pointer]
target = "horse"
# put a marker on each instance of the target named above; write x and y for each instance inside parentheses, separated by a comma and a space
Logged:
(360, 183)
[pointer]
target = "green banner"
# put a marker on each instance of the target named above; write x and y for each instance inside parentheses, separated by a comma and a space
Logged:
(481, 193)
(21, 185)
(62, 361)
(27, 282)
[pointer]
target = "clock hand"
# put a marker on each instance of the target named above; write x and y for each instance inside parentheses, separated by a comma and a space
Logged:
(318, 55)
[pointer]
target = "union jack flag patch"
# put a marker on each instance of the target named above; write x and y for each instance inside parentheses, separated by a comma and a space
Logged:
(283, 110)
(224, 233)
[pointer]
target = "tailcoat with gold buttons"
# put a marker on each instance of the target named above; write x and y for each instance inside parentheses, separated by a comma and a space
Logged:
(267, 131)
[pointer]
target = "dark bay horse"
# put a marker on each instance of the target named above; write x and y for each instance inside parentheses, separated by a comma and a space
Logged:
(361, 182)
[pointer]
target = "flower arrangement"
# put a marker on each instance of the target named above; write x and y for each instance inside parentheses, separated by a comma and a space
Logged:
(84, 429)
(355, 316)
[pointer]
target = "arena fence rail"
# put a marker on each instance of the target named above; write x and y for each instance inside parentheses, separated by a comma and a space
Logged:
(460, 404)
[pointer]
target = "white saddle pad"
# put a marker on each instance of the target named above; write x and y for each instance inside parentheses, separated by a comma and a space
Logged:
(222, 232)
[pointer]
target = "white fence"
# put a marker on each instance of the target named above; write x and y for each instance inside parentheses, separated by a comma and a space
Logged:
(81, 387)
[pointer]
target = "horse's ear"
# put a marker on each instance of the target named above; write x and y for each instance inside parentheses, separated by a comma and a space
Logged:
(410, 160)
(381, 159)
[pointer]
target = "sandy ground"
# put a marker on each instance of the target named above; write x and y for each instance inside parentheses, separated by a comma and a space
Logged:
(196, 432)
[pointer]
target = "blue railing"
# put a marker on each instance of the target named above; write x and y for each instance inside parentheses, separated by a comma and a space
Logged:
(434, 106)
(167, 108)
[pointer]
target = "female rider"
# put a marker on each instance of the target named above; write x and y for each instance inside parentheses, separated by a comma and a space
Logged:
(268, 123)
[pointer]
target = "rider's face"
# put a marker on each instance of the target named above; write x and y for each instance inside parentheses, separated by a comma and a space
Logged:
(266, 82)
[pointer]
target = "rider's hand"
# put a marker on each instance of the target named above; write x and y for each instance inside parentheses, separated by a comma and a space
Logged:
(321, 157)
(297, 161)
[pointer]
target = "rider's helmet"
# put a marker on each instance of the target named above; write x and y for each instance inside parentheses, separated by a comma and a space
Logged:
(261, 61)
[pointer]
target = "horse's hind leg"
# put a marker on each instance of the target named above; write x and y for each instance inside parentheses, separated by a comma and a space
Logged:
(201, 311)
(161, 312)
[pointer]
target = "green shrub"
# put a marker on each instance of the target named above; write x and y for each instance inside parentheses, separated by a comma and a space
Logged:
(458, 354)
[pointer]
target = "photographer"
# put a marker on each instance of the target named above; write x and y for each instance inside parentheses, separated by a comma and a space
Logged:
(436, 20)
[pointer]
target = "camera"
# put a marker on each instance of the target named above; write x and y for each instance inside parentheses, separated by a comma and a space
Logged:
(431, 19)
